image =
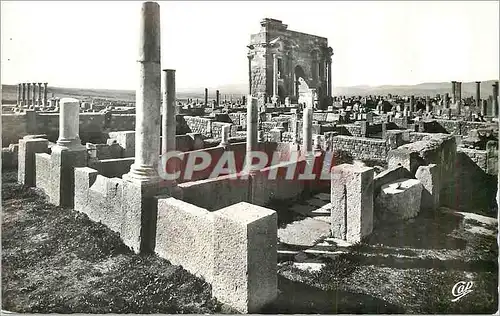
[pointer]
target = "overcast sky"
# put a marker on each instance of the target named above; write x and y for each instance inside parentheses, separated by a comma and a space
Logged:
(94, 44)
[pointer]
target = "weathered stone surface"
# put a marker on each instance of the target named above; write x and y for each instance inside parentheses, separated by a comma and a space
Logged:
(352, 202)
(26, 159)
(429, 177)
(304, 232)
(184, 236)
(245, 248)
(399, 199)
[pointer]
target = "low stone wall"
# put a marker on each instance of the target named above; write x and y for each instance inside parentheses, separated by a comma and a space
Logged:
(200, 125)
(234, 249)
(215, 193)
(358, 147)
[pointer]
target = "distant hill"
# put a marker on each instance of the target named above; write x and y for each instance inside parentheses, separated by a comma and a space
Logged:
(432, 88)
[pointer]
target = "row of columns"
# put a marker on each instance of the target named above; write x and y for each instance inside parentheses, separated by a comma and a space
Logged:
(27, 94)
(456, 91)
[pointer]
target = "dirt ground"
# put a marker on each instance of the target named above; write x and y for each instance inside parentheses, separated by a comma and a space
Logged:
(56, 260)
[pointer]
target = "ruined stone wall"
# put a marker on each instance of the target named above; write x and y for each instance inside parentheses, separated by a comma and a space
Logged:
(200, 125)
(358, 147)
(458, 127)
(479, 157)
(122, 122)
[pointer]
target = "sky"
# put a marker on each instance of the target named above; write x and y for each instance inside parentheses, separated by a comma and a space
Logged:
(94, 44)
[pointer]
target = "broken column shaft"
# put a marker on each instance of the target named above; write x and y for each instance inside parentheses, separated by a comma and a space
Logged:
(453, 92)
(69, 124)
(148, 96)
(252, 130)
(478, 93)
(307, 129)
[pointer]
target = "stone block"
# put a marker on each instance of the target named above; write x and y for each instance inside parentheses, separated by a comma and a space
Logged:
(399, 199)
(126, 140)
(139, 209)
(26, 164)
(245, 256)
(84, 178)
(352, 202)
(184, 236)
(43, 171)
(429, 177)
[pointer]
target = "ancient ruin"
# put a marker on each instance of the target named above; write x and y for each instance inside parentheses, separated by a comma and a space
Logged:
(197, 183)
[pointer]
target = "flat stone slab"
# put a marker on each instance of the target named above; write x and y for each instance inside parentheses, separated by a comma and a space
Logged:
(323, 196)
(316, 202)
(304, 232)
(400, 199)
(321, 213)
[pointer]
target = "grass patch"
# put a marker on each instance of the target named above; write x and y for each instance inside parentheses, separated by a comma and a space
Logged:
(55, 260)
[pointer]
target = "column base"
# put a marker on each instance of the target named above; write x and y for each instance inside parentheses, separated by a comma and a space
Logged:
(142, 175)
(71, 144)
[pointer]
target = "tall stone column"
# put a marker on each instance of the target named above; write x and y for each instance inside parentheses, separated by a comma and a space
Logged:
(206, 97)
(412, 104)
(45, 94)
(484, 108)
(459, 91)
(168, 112)
(28, 93)
(478, 93)
(329, 77)
(147, 98)
(495, 100)
(23, 93)
(446, 103)
(453, 92)
(39, 93)
(307, 129)
(249, 75)
(217, 98)
(252, 129)
(33, 101)
(275, 78)
(19, 94)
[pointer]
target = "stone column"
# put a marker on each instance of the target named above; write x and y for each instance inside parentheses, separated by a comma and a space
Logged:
(484, 108)
(307, 129)
(226, 129)
(19, 87)
(23, 93)
(329, 77)
(275, 78)
(252, 129)
(69, 124)
(495, 100)
(249, 75)
(453, 92)
(45, 93)
(427, 104)
(478, 93)
(206, 97)
(412, 104)
(168, 112)
(446, 100)
(33, 101)
(217, 98)
(147, 99)
(459, 91)
(28, 93)
(39, 93)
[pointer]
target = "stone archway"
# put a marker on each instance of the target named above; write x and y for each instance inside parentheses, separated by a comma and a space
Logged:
(298, 73)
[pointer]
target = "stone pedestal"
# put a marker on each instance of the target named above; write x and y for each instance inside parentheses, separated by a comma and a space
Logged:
(226, 130)
(245, 273)
(352, 202)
